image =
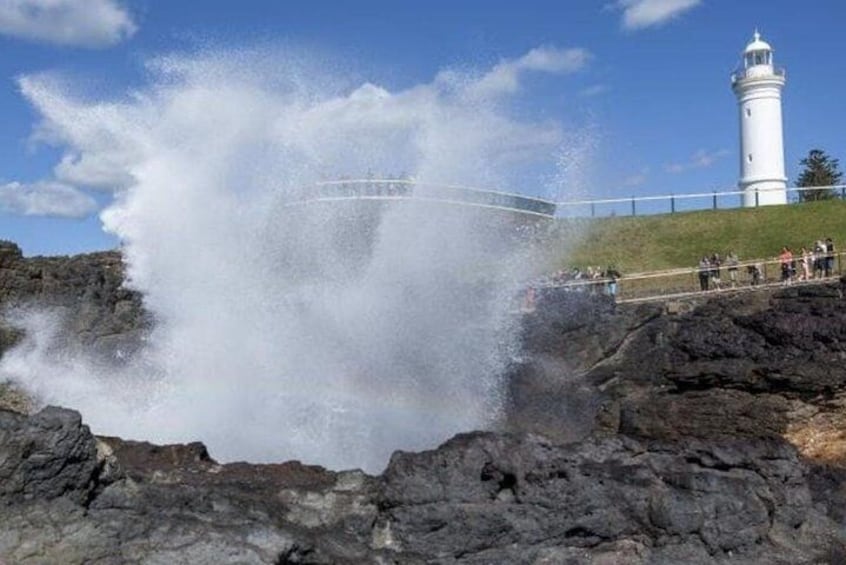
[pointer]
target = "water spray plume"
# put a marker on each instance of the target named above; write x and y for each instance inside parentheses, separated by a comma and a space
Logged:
(330, 333)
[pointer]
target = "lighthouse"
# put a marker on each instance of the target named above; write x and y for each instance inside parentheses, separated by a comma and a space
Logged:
(757, 86)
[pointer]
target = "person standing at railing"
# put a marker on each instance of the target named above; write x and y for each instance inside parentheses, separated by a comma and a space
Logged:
(704, 273)
(754, 274)
(716, 277)
(819, 259)
(732, 262)
(829, 257)
(612, 274)
(785, 258)
(807, 260)
(595, 275)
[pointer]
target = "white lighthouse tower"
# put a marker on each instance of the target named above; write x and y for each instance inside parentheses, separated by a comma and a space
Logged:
(758, 89)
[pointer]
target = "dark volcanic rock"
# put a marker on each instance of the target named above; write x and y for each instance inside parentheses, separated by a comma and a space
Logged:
(85, 292)
(632, 435)
(486, 498)
(48, 455)
(733, 366)
(570, 334)
(67, 498)
(479, 498)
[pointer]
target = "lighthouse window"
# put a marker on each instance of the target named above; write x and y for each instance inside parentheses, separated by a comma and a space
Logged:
(749, 157)
(748, 112)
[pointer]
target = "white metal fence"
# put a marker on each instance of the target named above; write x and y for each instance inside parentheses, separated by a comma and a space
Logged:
(671, 203)
(405, 189)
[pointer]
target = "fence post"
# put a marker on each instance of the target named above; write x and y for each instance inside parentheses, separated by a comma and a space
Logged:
(715, 200)
(592, 209)
(843, 193)
(672, 204)
(634, 213)
(756, 198)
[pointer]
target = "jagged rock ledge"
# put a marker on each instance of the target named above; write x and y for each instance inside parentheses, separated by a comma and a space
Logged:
(68, 497)
(632, 436)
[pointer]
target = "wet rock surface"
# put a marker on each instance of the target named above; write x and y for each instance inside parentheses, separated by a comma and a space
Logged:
(632, 435)
(83, 293)
(753, 364)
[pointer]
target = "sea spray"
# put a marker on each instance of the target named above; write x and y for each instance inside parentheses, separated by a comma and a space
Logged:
(330, 333)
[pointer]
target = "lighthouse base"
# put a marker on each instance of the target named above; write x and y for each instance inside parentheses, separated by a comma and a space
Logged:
(764, 193)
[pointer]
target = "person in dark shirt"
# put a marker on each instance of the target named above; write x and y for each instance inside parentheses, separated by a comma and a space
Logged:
(612, 274)
(716, 276)
(704, 273)
(829, 257)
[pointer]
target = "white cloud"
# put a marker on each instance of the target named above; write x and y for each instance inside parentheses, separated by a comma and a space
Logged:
(98, 149)
(45, 199)
(449, 129)
(504, 77)
(640, 14)
(637, 179)
(82, 23)
(702, 159)
(105, 171)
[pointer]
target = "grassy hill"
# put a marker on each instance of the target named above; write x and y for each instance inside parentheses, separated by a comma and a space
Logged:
(648, 243)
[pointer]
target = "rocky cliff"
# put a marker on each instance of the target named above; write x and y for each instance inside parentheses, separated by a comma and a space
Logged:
(708, 432)
(85, 292)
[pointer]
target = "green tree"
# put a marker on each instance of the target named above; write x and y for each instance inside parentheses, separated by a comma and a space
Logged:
(820, 170)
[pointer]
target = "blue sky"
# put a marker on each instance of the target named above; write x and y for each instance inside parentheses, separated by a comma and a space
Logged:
(640, 86)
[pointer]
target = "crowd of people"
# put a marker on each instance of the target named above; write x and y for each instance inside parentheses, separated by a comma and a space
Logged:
(715, 272)
(710, 270)
(591, 279)
(812, 262)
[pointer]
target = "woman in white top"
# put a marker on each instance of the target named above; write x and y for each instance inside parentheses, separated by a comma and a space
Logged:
(807, 261)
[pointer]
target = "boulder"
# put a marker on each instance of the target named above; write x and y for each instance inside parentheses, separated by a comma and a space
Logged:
(46, 456)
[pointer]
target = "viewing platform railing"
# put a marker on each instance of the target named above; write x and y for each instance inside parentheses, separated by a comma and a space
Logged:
(405, 189)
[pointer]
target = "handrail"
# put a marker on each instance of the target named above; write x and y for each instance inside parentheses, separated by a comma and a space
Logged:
(627, 294)
(419, 199)
(694, 195)
(405, 190)
(411, 182)
(546, 207)
(741, 74)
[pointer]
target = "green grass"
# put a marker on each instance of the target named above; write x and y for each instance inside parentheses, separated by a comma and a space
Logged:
(651, 243)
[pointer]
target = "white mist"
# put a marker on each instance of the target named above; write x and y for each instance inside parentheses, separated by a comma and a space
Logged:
(293, 332)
